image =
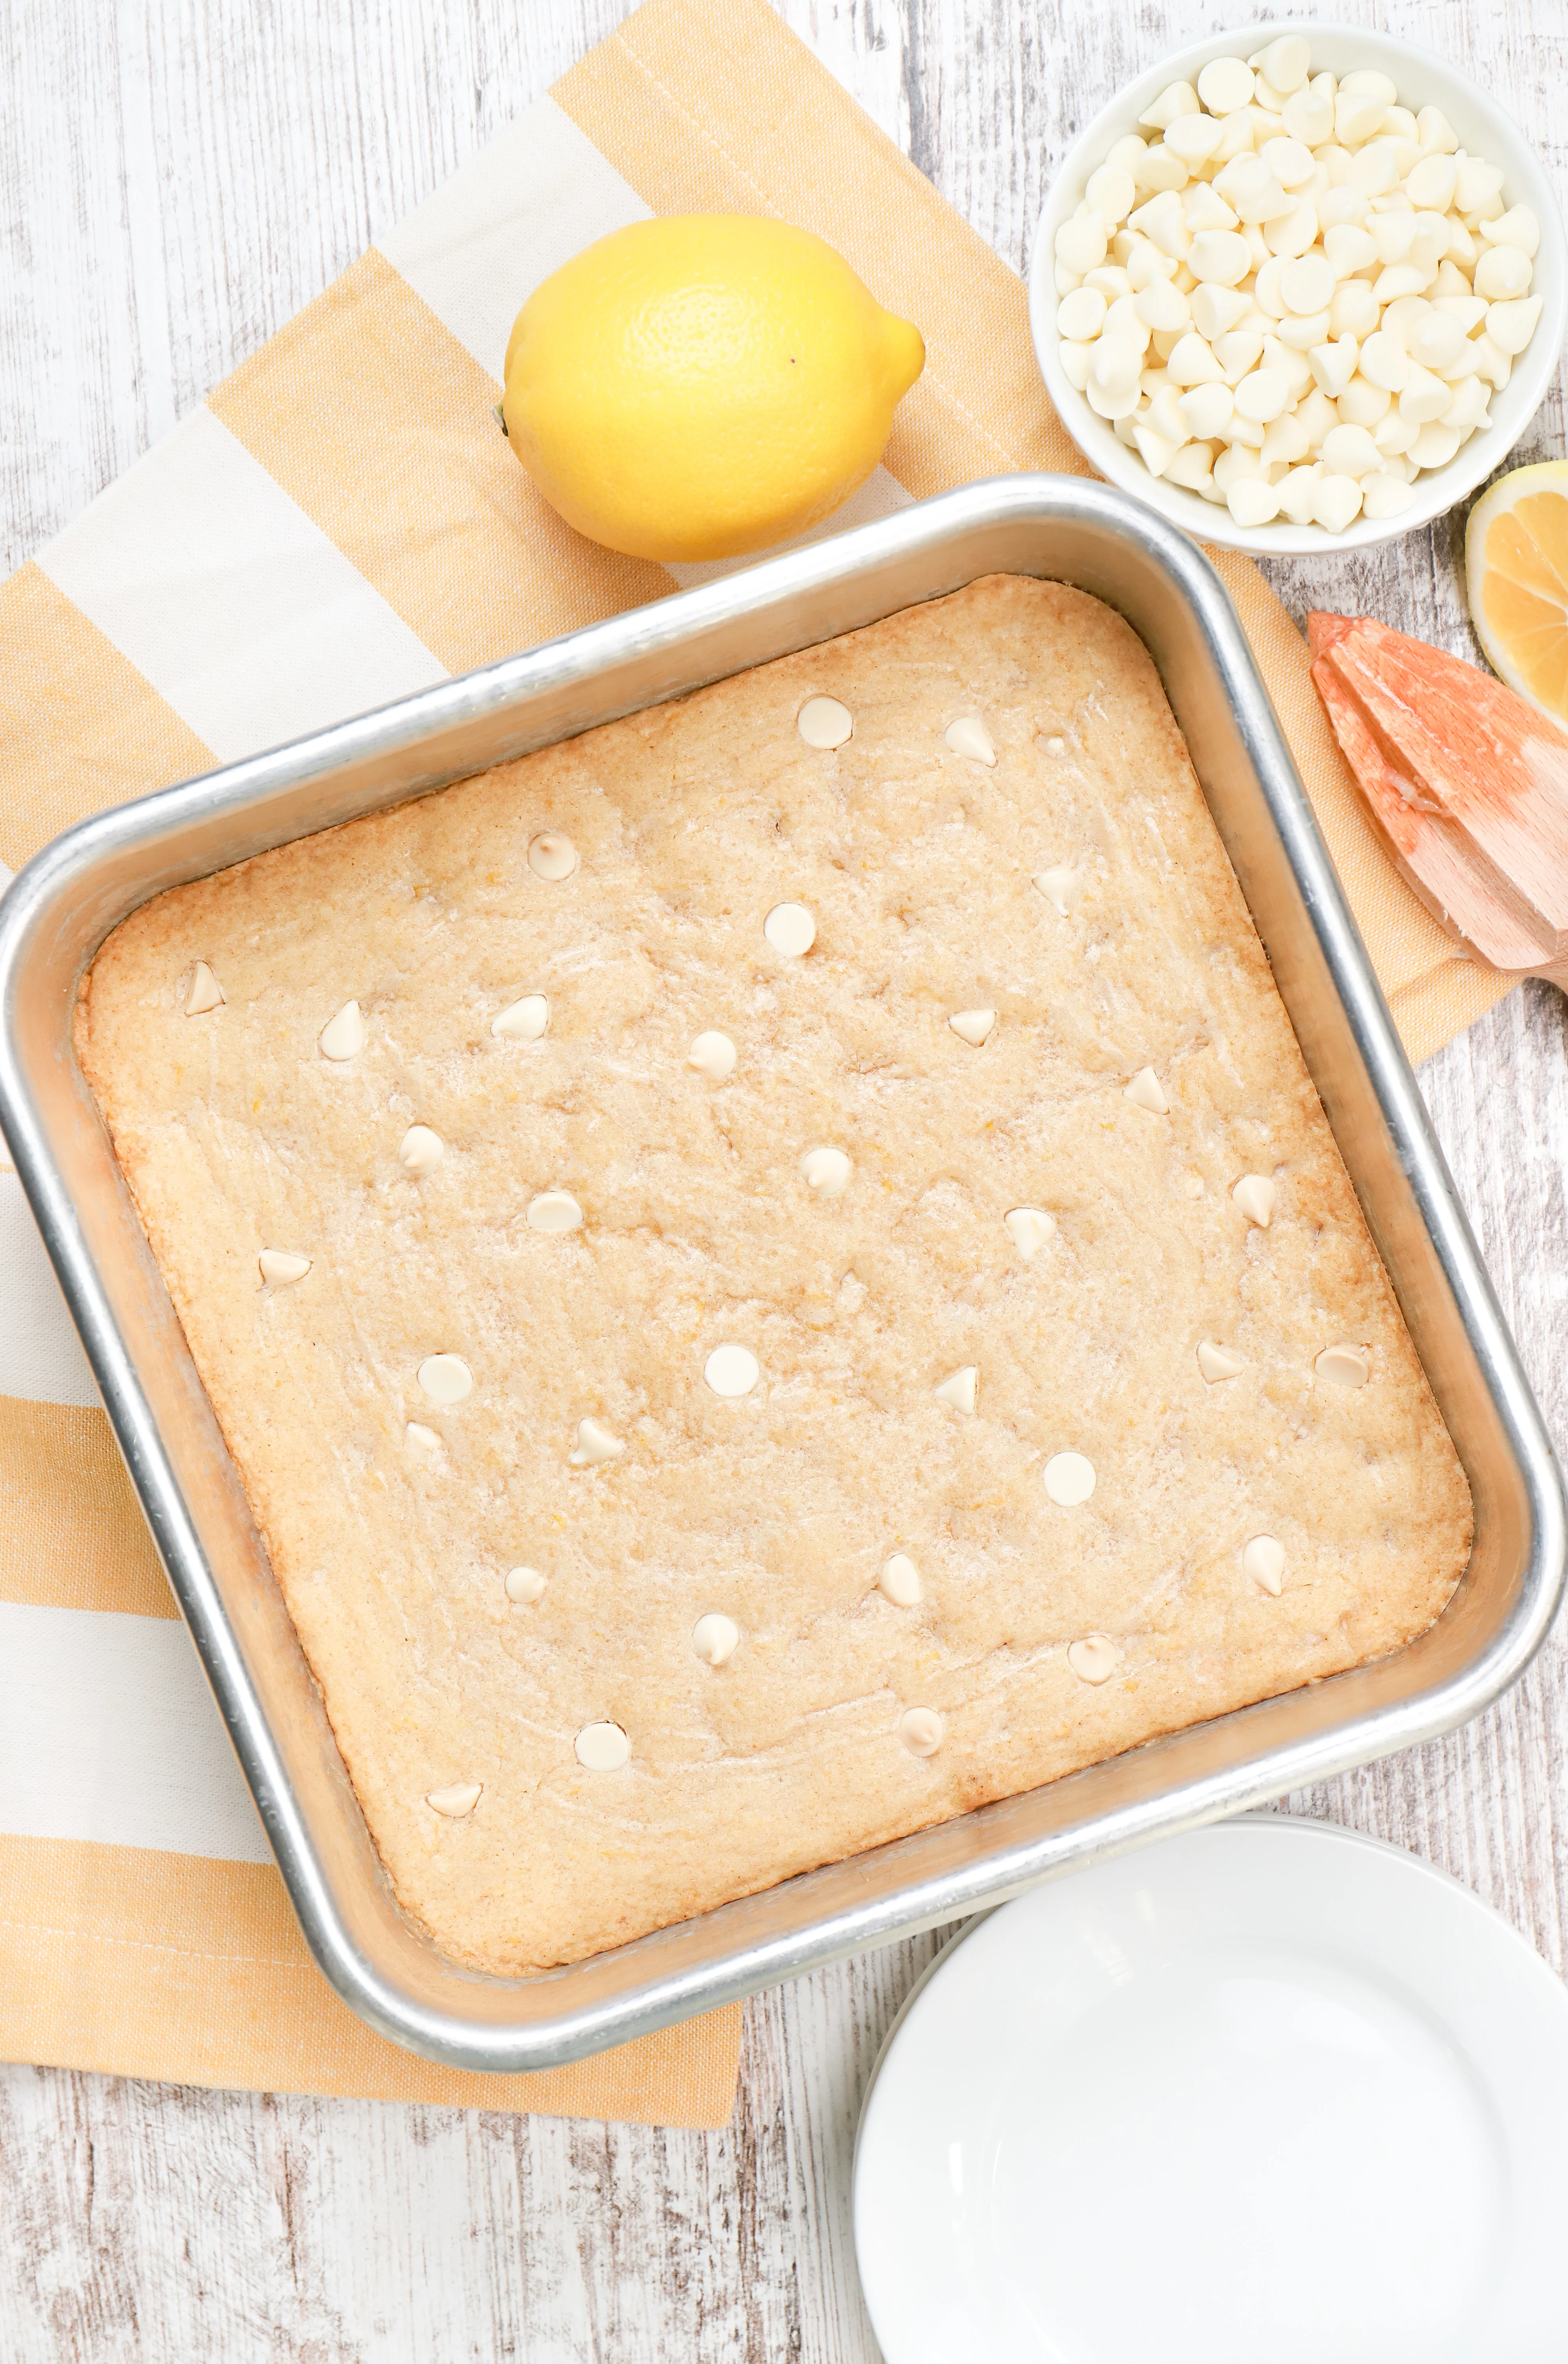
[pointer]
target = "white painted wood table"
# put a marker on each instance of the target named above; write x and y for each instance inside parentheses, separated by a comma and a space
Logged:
(177, 178)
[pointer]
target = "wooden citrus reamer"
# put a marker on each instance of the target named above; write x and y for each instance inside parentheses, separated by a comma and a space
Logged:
(1466, 781)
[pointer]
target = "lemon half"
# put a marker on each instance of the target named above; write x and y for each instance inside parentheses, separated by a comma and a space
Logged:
(1515, 567)
(704, 384)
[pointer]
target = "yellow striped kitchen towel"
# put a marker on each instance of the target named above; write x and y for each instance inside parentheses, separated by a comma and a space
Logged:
(340, 523)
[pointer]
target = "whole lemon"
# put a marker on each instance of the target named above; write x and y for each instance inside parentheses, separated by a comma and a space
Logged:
(704, 384)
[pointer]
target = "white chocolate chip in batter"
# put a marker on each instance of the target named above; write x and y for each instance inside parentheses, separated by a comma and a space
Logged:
(422, 1441)
(1264, 1561)
(1343, 1366)
(1069, 1480)
(204, 992)
(713, 1055)
(343, 1037)
(522, 1021)
(420, 1151)
(602, 1747)
(1056, 746)
(552, 855)
(968, 735)
(899, 1580)
(1094, 1659)
(1219, 1363)
(446, 1378)
(922, 1730)
(280, 1266)
(1146, 1091)
(1029, 1227)
(826, 1171)
(594, 1443)
(959, 1387)
(823, 722)
(525, 1584)
(1255, 1194)
(554, 1211)
(732, 1372)
(972, 1026)
(714, 1638)
(1060, 886)
(457, 1802)
(791, 930)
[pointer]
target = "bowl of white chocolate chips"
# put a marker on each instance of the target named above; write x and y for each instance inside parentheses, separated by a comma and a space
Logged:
(1299, 289)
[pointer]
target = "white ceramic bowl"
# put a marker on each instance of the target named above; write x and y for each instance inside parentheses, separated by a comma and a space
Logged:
(1484, 130)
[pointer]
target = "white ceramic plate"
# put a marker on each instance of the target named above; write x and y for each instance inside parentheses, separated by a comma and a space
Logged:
(1485, 130)
(1267, 2093)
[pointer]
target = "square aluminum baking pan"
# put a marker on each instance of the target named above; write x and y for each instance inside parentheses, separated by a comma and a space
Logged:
(65, 903)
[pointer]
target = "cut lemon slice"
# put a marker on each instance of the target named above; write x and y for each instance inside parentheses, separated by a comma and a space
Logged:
(1516, 564)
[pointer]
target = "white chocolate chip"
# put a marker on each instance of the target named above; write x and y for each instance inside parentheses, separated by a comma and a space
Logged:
(1079, 315)
(1384, 496)
(1094, 1659)
(959, 1387)
(1055, 747)
(204, 992)
(1069, 1480)
(525, 1584)
(731, 1371)
(713, 1055)
(1503, 273)
(1511, 326)
(594, 1443)
(343, 1037)
(1519, 226)
(1225, 84)
(1146, 1091)
(972, 1026)
(823, 722)
(552, 855)
(1365, 82)
(1336, 502)
(1264, 1561)
(968, 735)
(1343, 1366)
(420, 1151)
(446, 1378)
(1062, 887)
(602, 1747)
(1080, 245)
(791, 930)
(1252, 502)
(422, 1441)
(922, 1730)
(1284, 64)
(1112, 192)
(715, 1637)
(1029, 1227)
(826, 1171)
(1307, 283)
(457, 1802)
(523, 1021)
(280, 1266)
(1351, 451)
(1219, 1363)
(1255, 1194)
(554, 1211)
(899, 1580)
(1194, 139)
